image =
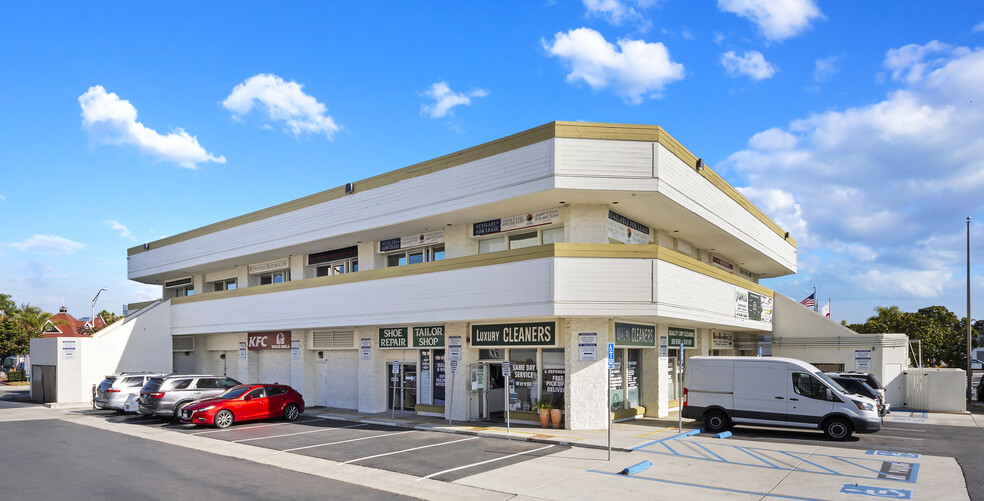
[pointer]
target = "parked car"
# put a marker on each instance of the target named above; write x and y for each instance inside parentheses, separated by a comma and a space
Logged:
(773, 391)
(244, 403)
(859, 387)
(164, 396)
(868, 377)
(976, 365)
(113, 391)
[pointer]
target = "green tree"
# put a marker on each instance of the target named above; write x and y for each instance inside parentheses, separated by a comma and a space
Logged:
(941, 333)
(108, 316)
(13, 338)
(33, 318)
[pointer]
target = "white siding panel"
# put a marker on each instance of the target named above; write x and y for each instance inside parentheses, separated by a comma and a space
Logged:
(340, 388)
(679, 183)
(502, 291)
(603, 158)
(688, 295)
(596, 280)
(507, 175)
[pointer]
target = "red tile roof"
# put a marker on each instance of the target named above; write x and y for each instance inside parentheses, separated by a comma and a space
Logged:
(68, 326)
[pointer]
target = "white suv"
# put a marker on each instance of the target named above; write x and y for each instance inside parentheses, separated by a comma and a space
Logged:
(113, 392)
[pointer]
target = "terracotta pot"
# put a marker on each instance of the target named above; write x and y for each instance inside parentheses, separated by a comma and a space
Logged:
(544, 417)
(555, 415)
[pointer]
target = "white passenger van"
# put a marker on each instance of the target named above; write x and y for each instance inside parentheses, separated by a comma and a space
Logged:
(723, 391)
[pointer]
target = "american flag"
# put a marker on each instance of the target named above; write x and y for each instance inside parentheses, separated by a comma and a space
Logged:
(811, 301)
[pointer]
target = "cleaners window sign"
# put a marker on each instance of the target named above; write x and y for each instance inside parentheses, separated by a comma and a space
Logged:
(393, 337)
(635, 335)
(526, 334)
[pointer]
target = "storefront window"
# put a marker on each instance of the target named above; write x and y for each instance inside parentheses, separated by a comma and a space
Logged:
(616, 386)
(633, 374)
(554, 377)
(439, 377)
(523, 379)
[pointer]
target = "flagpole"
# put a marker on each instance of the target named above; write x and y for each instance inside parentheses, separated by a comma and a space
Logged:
(815, 302)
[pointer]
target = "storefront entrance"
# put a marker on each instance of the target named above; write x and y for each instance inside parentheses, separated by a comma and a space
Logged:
(492, 394)
(404, 386)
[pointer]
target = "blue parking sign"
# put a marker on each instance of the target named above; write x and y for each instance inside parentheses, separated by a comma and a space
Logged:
(611, 356)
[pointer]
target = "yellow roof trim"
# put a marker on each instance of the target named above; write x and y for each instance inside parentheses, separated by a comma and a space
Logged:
(510, 256)
(575, 130)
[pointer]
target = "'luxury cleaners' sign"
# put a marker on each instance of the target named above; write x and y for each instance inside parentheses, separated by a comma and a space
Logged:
(529, 334)
(635, 335)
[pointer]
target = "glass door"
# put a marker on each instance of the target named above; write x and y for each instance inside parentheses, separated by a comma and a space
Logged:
(493, 395)
(404, 386)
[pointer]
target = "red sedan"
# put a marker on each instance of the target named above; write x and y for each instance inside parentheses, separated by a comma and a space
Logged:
(244, 403)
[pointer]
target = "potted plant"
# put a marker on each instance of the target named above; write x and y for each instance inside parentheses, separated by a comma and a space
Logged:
(544, 406)
(555, 415)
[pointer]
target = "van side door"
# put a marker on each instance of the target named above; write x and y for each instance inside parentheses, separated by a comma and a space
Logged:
(807, 403)
(760, 392)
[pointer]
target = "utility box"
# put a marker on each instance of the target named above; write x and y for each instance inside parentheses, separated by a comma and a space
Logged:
(937, 390)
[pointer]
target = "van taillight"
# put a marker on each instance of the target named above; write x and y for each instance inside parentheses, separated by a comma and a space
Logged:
(684, 397)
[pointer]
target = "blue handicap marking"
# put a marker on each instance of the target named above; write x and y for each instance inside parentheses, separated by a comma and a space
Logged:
(893, 454)
(878, 492)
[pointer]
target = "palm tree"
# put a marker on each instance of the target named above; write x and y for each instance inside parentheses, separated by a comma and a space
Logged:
(32, 319)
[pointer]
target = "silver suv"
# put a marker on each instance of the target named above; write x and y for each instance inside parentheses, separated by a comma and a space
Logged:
(164, 396)
(113, 391)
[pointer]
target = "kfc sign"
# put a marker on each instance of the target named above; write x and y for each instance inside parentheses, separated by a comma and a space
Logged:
(276, 340)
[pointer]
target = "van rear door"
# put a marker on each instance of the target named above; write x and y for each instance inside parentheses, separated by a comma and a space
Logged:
(760, 392)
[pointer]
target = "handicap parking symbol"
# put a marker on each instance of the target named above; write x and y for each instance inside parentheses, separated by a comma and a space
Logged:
(908, 455)
(878, 492)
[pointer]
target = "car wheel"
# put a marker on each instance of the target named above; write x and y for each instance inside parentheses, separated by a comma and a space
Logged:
(176, 414)
(837, 429)
(716, 421)
(223, 419)
(291, 412)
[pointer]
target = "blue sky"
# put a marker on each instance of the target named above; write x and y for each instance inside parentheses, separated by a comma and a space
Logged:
(856, 127)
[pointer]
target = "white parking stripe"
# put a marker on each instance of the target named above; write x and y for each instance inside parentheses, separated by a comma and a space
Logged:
(408, 450)
(298, 433)
(346, 441)
(258, 426)
(484, 462)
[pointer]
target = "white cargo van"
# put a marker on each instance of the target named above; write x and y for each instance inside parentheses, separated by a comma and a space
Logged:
(768, 391)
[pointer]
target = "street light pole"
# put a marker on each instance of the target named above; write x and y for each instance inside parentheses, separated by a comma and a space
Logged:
(970, 377)
(92, 313)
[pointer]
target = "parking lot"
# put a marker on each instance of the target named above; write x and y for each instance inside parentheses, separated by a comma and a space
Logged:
(423, 454)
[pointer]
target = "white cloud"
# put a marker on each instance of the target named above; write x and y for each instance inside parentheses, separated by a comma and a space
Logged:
(48, 244)
(752, 64)
(281, 101)
(634, 70)
(825, 68)
(618, 12)
(123, 230)
(881, 188)
(2, 197)
(111, 120)
(445, 99)
(777, 20)
(978, 28)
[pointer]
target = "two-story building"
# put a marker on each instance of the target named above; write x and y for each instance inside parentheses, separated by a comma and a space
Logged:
(538, 249)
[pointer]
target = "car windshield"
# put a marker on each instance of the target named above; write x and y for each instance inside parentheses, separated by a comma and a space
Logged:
(833, 384)
(234, 392)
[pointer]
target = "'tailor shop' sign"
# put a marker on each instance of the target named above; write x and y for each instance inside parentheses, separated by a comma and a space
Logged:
(273, 340)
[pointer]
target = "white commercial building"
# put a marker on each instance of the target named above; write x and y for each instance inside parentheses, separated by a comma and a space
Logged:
(537, 249)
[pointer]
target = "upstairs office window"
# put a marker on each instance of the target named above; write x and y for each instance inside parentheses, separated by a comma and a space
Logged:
(334, 262)
(519, 240)
(414, 256)
(274, 278)
(224, 285)
(179, 288)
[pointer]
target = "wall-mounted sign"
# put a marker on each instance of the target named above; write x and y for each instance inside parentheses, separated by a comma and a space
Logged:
(295, 349)
(752, 306)
(454, 348)
(722, 263)
(527, 220)
(526, 334)
(635, 335)
(587, 346)
(68, 348)
(862, 360)
(686, 337)
(275, 265)
(242, 350)
(410, 241)
(394, 337)
(274, 340)
(366, 349)
(662, 346)
(428, 337)
(722, 340)
(625, 230)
